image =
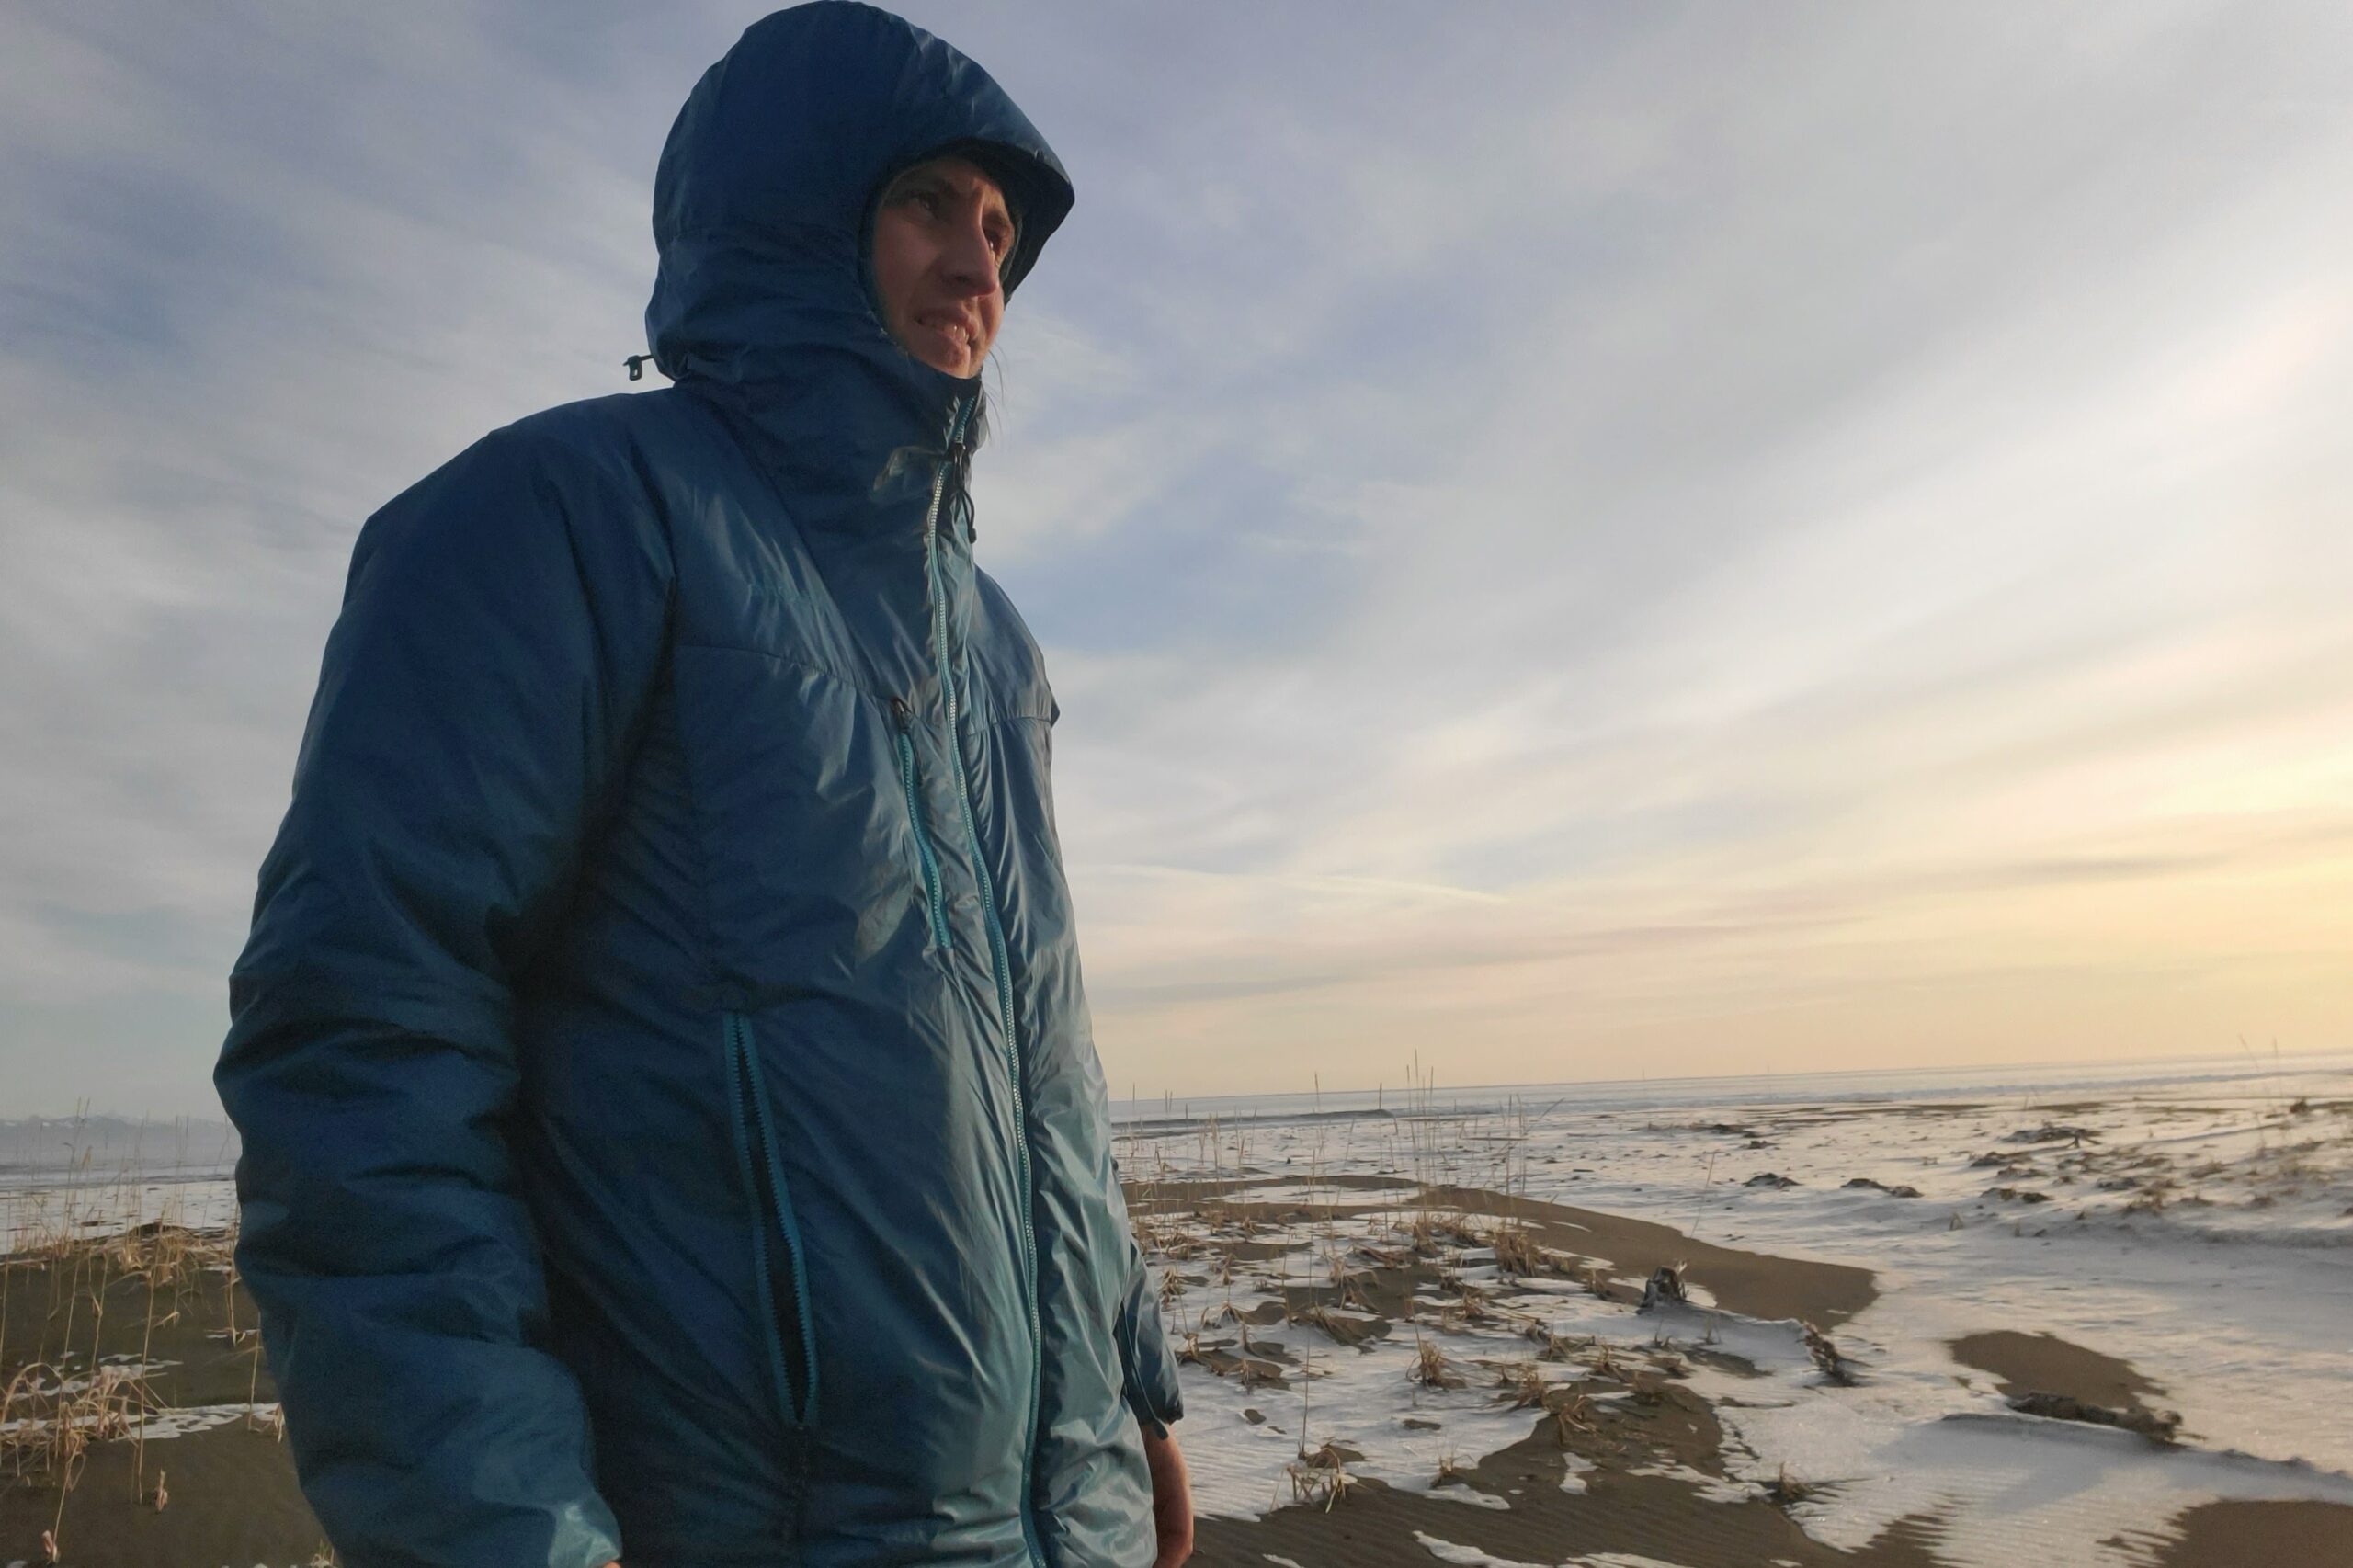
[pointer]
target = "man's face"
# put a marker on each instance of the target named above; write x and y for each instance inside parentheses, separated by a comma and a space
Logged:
(941, 235)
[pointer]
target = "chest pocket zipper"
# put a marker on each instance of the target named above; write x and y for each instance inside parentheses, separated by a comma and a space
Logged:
(776, 1239)
(926, 861)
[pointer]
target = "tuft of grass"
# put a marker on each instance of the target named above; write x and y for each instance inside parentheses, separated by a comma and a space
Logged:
(1431, 1369)
(1835, 1368)
(1422, 1230)
(1517, 1252)
(1320, 1478)
(1523, 1385)
(1785, 1489)
(49, 1419)
(1571, 1411)
(1557, 1346)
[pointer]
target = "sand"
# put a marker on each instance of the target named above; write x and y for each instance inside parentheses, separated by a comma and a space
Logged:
(2239, 1534)
(2043, 1363)
(1657, 1518)
(230, 1499)
(1753, 1284)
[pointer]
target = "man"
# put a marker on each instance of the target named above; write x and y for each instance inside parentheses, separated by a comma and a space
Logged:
(672, 1129)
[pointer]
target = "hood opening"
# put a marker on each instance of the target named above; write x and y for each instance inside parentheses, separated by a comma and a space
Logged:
(765, 199)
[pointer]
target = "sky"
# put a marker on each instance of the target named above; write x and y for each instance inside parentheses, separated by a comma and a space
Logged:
(1575, 541)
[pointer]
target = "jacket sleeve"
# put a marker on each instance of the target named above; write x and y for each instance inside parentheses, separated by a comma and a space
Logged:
(1149, 1365)
(500, 631)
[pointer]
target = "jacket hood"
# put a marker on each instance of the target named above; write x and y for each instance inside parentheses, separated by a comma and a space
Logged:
(761, 208)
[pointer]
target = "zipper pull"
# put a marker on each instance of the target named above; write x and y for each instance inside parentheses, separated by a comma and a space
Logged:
(902, 714)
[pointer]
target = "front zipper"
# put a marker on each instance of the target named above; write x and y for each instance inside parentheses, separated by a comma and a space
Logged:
(776, 1239)
(999, 966)
(934, 904)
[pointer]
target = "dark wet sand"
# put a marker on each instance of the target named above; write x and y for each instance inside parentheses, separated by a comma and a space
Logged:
(2245, 1534)
(1647, 1515)
(1753, 1284)
(232, 1501)
(2044, 1363)
(1660, 1517)
(1664, 1516)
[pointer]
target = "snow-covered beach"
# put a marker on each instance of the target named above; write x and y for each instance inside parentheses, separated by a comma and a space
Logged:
(2025, 1278)
(2066, 1315)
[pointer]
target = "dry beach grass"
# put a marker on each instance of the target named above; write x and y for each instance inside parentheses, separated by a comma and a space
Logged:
(137, 1420)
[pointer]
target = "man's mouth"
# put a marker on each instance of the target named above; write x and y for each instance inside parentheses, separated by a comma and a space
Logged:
(953, 328)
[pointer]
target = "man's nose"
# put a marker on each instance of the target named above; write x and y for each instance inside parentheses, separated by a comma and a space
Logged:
(969, 264)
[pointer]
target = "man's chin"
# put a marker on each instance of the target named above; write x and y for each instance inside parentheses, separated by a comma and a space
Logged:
(958, 363)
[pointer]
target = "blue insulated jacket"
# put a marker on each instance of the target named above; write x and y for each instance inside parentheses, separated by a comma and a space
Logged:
(672, 1128)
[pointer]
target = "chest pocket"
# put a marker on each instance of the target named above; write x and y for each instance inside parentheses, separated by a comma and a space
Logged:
(811, 862)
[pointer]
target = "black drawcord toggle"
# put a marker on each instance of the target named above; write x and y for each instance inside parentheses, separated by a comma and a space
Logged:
(960, 495)
(636, 363)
